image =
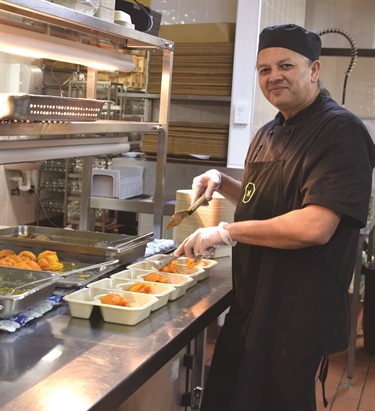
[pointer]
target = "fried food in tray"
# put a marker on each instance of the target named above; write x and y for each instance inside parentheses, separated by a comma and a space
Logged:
(45, 261)
(71, 269)
(105, 246)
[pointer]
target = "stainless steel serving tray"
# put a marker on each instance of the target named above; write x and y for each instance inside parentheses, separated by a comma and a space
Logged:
(78, 269)
(97, 246)
(29, 294)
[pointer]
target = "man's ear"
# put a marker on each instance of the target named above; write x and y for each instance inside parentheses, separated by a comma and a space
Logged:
(315, 71)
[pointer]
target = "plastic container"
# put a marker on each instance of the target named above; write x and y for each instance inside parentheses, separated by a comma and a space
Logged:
(125, 182)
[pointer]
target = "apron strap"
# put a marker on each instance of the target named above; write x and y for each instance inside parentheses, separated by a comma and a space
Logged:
(323, 376)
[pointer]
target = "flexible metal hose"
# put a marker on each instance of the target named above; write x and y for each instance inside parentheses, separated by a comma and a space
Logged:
(353, 54)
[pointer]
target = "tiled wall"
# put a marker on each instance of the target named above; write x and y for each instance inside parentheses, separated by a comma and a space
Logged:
(357, 19)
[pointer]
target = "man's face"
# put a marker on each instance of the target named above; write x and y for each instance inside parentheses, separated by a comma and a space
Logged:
(287, 79)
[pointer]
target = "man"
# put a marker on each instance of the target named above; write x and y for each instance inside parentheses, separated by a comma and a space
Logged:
(299, 207)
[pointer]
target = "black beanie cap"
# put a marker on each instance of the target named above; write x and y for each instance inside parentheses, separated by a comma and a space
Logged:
(292, 37)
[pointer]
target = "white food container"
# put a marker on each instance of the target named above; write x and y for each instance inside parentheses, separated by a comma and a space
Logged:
(204, 263)
(82, 302)
(179, 281)
(194, 273)
(130, 275)
(160, 291)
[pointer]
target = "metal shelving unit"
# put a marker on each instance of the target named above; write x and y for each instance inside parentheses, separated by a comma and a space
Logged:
(41, 141)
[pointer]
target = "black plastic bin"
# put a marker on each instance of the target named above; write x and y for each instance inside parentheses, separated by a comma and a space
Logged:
(369, 308)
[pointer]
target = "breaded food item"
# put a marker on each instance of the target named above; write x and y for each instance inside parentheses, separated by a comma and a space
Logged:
(49, 261)
(156, 278)
(141, 287)
(27, 255)
(115, 299)
(5, 253)
(13, 259)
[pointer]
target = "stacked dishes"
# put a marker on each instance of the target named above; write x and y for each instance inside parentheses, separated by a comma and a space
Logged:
(219, 209)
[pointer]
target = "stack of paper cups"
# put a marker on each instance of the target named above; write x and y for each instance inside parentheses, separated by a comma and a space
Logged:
(219, 209)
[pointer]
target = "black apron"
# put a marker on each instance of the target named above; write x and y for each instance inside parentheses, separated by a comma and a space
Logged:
(276, 333)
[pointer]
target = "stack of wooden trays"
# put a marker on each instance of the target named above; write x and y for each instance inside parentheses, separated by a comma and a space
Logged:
(186, 138)
(219, 209)
(202, 62)
(198, 69)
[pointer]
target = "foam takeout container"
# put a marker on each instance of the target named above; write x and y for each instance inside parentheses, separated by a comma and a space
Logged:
(159, 290)
(179, 281)
(205, 264)
(81, 304)
(194, 273)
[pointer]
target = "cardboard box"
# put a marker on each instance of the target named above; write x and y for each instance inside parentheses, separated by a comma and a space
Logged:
(199, 32)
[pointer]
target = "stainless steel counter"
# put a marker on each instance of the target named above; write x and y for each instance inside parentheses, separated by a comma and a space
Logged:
(63, 363)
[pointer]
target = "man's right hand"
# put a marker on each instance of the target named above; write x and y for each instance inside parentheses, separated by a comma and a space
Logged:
(206, 183)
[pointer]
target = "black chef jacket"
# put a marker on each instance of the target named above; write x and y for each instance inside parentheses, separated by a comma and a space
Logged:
(291, 306)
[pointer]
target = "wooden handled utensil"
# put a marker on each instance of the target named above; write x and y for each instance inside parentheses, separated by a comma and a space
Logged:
(178, 216)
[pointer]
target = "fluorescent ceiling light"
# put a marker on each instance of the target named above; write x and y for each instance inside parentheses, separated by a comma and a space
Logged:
(27, 43)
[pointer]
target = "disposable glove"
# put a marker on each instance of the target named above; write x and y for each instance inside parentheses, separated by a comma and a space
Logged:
(206, 183)
(204, 241)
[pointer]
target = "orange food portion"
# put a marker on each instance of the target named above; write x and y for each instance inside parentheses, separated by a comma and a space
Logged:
(190, 263)
(46, 261)
(141, 287)
(114, 299)
(5, 253)
(32, 265)
(13, 259)
(27, 255)
(170, 268)
(49, 261)
(4, 263)
(156, 278)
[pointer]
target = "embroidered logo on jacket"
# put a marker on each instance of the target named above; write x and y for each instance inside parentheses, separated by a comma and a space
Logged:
(249, 192)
